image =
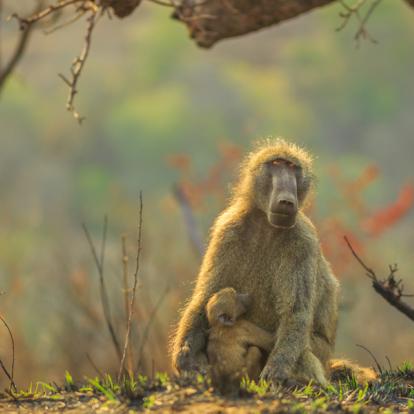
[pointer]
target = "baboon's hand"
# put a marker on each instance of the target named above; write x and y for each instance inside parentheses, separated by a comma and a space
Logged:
(188, 360)
(277, 375)
(184, 359)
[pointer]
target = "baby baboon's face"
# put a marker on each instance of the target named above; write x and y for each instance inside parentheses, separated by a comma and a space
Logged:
(279, 190)
(226, 306)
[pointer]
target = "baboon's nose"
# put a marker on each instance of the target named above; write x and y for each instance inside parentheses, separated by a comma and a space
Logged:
(286, 205)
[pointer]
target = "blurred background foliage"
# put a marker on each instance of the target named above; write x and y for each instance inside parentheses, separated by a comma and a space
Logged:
(159, 113)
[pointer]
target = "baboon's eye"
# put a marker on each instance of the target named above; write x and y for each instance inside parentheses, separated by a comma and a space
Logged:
(277, 161)
(291, 165)
(225, 319)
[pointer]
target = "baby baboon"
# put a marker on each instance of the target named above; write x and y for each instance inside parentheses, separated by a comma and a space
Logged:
(263, 244)
(234, 344)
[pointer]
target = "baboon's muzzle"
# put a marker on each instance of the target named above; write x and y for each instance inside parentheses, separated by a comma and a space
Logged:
(283, 205)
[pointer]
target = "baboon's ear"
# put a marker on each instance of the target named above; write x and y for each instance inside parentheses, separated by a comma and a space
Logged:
(225, 319)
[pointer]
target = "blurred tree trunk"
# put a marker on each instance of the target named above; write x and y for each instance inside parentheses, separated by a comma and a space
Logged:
(209, 21)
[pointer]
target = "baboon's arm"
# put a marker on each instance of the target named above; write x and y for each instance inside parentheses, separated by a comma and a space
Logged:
(191, 333)
(296, 281)
(253, 335)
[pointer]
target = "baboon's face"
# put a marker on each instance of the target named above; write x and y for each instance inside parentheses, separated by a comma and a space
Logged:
(280, 188)
(226, 306)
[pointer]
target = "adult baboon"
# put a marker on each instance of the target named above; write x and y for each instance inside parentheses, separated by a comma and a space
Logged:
(263, 244)
(234, 344)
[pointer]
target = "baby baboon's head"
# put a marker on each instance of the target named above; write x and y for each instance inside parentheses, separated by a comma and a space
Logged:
(276, 178)
(225, 306)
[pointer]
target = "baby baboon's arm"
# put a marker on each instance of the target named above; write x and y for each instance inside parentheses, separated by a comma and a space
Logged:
(253, 335)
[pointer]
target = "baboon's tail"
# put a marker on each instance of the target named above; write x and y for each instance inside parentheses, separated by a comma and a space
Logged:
(340, 369)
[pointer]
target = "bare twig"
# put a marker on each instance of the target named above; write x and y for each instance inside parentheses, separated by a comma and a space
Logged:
(99, 262)
(189, 220)
(66, 23)
(41, 14)
(350, 11)
(372, 356)
(162, 3)
(18, 52)
(391, 289)
(94, 366)
(10, 375)
(389, 363)
(26, 23)
(126, 297)
(134, 288)
(144, 336)
(77, 67)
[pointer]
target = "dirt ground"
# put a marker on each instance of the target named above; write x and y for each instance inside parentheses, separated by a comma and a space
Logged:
(188, 399)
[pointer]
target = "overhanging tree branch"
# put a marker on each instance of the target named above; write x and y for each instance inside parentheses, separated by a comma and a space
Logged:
(208, 22)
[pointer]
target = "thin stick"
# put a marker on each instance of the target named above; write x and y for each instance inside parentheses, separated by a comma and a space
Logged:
(77, 67)
(362, 21)
(134, 288)
(372, 356)
(43, 13)
(18, 53)
(65, 23)
(370, 273)
(362, 31)
(126, 296)
(190, 223)
(389, 363)
(147, 328)
(94, 366)
(10, 375)
(103, 291)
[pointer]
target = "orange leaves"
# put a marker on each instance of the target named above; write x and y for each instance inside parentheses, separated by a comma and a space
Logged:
(181, 162)
(212, 182)
(352, 216)
(389, 215)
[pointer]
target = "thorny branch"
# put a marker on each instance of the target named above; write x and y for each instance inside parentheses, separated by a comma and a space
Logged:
(134, 289)
(10, 375)
(354, 11)
(391, 289)
(99, 262)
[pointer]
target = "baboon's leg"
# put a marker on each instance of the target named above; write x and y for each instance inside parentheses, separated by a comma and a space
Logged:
(298, 270)
(326, 315)
(253, 362)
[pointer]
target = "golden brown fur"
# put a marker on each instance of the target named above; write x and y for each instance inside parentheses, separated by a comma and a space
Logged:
(293, 290)
(234, 344)
(340, 369)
